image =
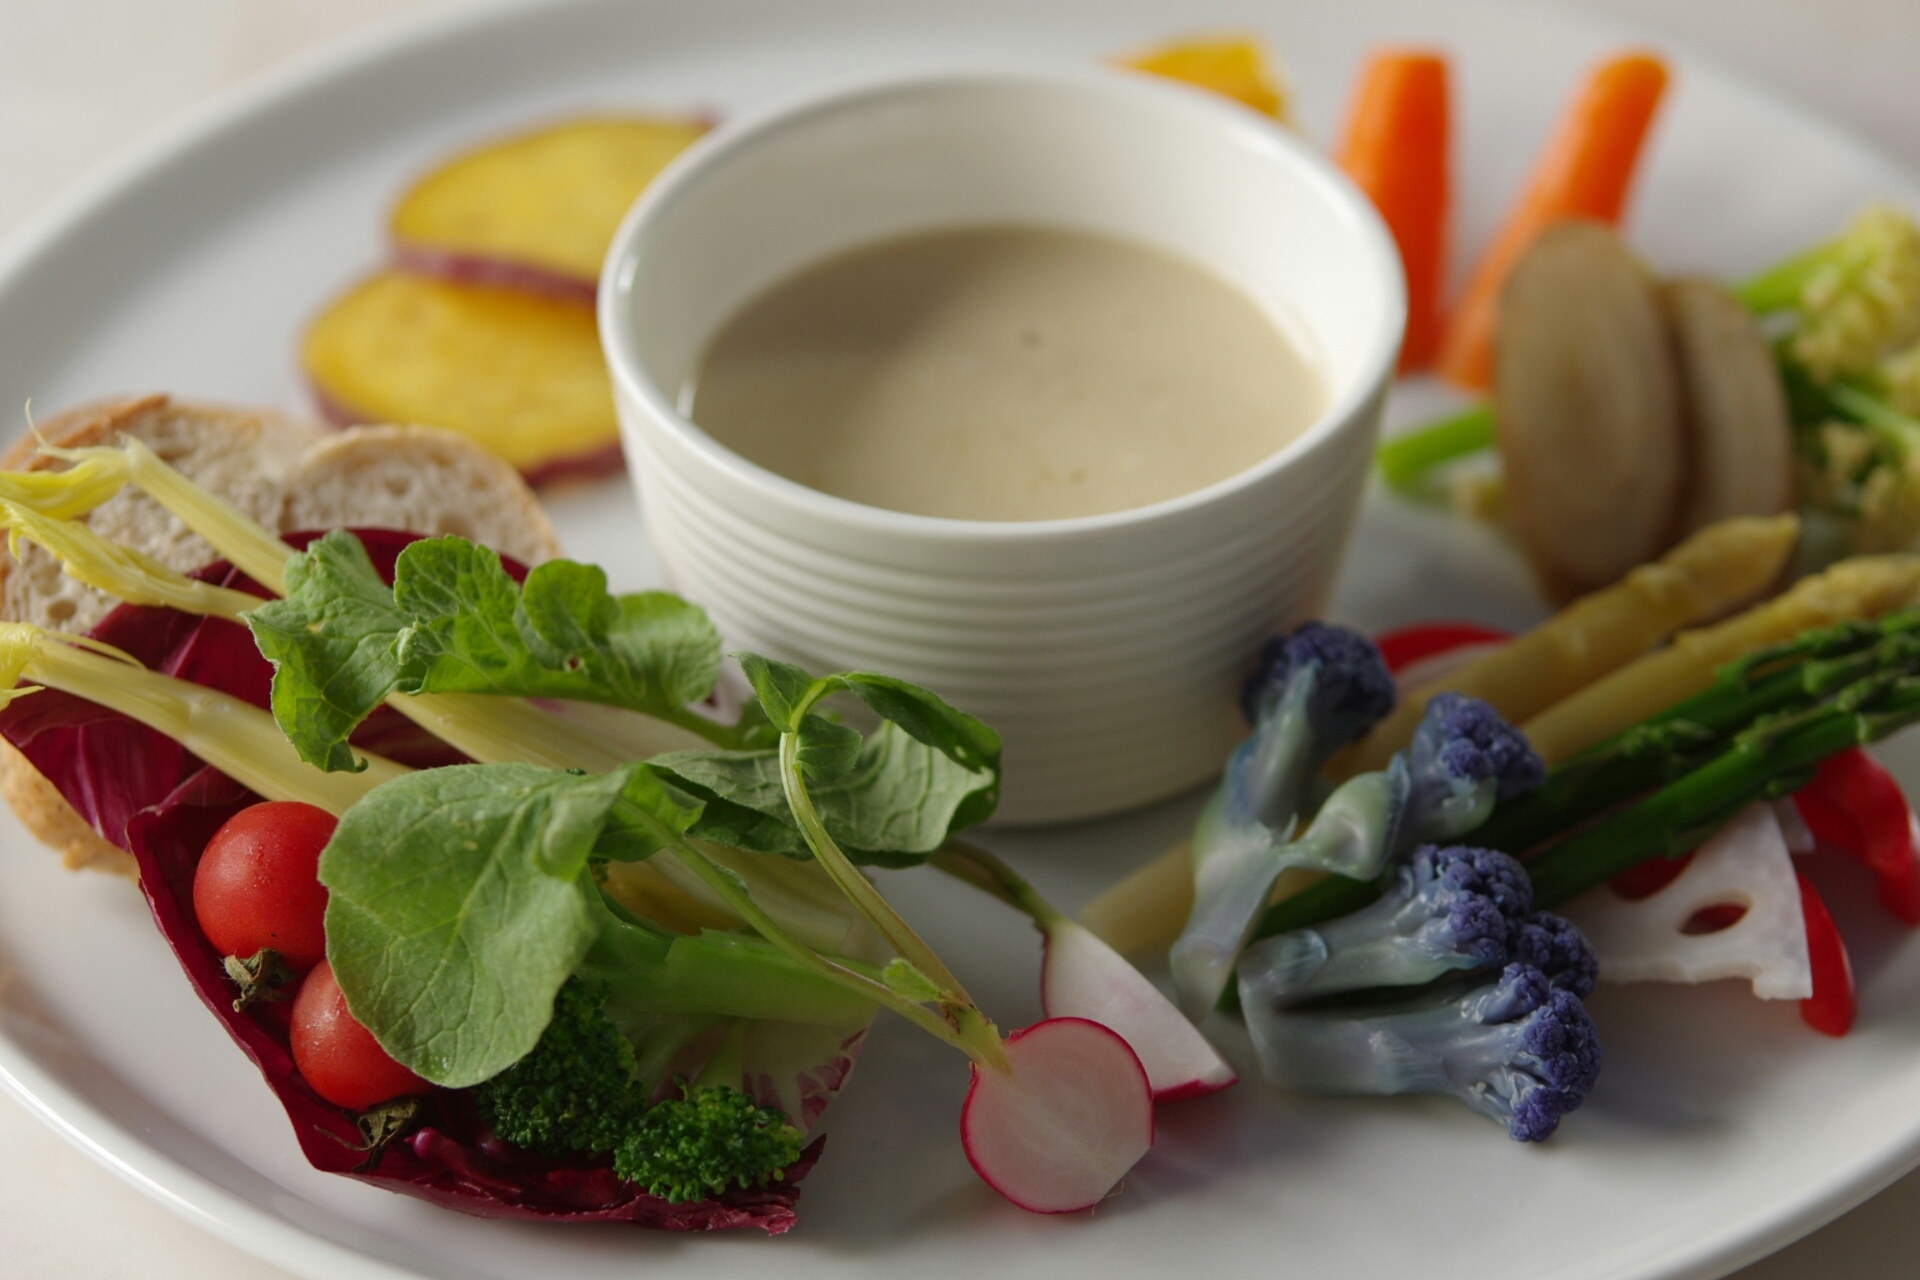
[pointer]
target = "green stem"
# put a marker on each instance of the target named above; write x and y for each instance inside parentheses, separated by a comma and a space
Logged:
(1862, 406)
(729, 888)
(1779, 287)
(232, 735)
(258, 552)
(1406, 460)
(1774, 754)
(973, 1026)
(986, 872)
(1673, 742)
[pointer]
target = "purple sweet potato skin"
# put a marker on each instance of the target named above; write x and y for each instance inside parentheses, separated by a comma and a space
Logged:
(147, 795)
(594, 464)
(496, 273)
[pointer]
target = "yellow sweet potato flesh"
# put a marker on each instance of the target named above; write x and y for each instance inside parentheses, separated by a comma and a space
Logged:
(549, 199)
(520, 373)
(1234, 67)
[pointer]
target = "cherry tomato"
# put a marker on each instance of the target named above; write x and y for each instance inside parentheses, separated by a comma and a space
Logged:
(258, 883)
(338, 1057)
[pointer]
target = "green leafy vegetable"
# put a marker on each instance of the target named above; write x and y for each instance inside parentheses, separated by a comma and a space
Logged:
(896, 801)
(333, 651)
(458, 904)
(787, 694)
(454, 622)
(462, 898)
(561, 635)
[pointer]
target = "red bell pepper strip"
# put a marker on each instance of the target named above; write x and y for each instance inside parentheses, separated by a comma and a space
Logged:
(1404, 646)
(1856, 806)
(1831, 1007)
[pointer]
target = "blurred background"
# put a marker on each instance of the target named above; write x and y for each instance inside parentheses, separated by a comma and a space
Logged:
(82, 80)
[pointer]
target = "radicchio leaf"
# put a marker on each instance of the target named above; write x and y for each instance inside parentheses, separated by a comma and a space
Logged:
(146, 794)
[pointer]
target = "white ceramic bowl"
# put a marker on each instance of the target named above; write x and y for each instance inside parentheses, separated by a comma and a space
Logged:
(1107, 650)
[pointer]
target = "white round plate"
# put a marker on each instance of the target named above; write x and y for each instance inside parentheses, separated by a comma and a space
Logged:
(1721, 1129)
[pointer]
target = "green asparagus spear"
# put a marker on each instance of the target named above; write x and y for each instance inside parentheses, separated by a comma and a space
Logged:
(1774, 757)
(1672, 743)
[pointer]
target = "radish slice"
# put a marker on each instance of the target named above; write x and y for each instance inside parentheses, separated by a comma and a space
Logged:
(1083, 977)
(1057, 1132)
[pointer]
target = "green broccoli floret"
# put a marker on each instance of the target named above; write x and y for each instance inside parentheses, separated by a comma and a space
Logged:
(577, 1093)
(697, 1145)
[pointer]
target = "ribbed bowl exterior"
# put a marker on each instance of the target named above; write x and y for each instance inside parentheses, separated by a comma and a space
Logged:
(1106, 650)
(1109, 665)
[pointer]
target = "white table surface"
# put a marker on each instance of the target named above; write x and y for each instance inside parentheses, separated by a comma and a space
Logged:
(83, 79)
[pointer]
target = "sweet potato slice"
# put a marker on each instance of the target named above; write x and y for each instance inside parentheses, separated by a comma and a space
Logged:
(518, 372)
(1740, 460)
(1587, 402)
(1232, 66)
(535, 211)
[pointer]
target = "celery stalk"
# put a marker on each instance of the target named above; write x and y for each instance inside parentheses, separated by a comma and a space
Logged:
(233, 736)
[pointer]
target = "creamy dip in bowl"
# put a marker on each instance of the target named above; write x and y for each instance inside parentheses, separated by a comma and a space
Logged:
(1052, 391)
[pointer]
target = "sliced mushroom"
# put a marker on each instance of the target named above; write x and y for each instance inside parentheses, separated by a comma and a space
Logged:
(1740, 455)
(1587, 399)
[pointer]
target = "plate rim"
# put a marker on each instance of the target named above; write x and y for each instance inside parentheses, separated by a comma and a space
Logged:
(305, 1252)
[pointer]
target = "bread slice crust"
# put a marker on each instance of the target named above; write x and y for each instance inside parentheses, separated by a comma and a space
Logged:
(288, 475)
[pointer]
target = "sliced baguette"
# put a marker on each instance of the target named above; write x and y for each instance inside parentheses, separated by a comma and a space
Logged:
(286, 474)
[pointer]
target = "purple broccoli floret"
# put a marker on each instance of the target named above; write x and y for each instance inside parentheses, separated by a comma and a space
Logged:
(1352, 687)
(1445, 910)
(1553, 945)
(1517, 1049)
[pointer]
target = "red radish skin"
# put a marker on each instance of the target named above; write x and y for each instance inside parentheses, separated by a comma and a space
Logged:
(1083, 977)
(1057, 1132)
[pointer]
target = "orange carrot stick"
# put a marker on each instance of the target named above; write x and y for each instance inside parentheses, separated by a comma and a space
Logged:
(1396, 150)
(1585, 172)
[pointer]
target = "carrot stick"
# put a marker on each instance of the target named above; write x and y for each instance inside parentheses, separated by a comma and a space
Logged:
(1585, 172)
(1396, 150)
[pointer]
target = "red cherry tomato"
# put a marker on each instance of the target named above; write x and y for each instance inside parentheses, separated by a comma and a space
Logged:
(336, 1055)
(258, 883)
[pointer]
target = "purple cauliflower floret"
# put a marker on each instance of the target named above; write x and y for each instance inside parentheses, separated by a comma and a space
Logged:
(1516, 1049)
(1555, 1067)
(1553, 945)
(1463, 759)
(1352, 687)
(1445, 910)
(1473, 742)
